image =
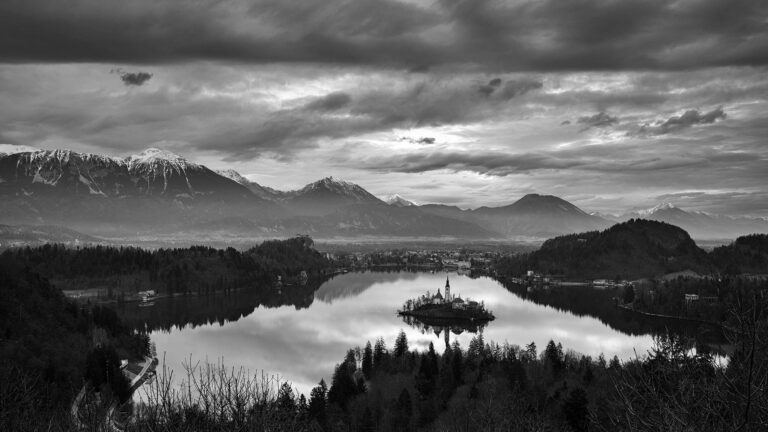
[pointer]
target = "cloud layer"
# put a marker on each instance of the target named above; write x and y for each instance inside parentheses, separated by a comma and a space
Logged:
(611, 104)
(546, 35)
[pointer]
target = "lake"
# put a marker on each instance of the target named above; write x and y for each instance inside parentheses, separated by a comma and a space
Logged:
(303, 341)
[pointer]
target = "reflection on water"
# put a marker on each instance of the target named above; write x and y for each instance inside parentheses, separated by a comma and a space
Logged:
(444, 327)
(300, 333)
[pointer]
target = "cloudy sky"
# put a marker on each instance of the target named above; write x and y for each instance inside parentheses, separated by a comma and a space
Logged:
(609, 104)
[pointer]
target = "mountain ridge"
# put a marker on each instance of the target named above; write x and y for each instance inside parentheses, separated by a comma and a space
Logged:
(160, 191)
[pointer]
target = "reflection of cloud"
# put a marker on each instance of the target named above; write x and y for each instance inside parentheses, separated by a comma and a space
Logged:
(304, 345)
(354, 284)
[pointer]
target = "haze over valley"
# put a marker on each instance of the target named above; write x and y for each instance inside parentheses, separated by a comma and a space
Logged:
(160, 193)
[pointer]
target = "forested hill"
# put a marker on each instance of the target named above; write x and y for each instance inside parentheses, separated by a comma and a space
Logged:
(634, 249)
(748, 254)
(46, 347)
(198, 269)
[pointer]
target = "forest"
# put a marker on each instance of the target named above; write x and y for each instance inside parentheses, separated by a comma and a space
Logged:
(50, 346)
(637, 249)
(119, 272)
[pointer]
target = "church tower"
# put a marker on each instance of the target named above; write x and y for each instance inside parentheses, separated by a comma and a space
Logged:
(447, 290)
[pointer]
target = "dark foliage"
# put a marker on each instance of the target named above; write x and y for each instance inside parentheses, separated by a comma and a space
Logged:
(748, 254)
(117, 272)
(44, 349)
(630, 250)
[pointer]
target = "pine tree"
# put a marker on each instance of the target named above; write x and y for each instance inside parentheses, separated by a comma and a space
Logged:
(401, 344)
(318, 402)
(368, 361)
(379, 354)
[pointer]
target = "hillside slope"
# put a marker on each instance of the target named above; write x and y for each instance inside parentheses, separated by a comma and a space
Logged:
(630, 250)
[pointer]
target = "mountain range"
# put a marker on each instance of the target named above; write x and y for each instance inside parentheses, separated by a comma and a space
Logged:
(156, 192)
(698, 224)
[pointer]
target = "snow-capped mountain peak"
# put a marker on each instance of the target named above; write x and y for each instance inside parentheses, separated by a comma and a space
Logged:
(234, 175)
(336, 185)
(330, 186)
(662, 206)
(7, 149)
(154, 156)
(398, 201)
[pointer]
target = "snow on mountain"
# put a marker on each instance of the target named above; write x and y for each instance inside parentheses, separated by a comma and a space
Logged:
(156, 161)
(263, 192)
(657, 208)
(151, 172)
(398, 201)
(234, 175)
(65, 169)
(337, 187)
(6, 149)
(701, 225)
(606, 216)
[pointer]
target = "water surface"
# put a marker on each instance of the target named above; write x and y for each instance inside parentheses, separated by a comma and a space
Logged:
(302, 342)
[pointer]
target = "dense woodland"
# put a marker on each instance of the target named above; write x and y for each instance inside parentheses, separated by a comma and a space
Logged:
(637, 249)
(50, 347)
(116, 272)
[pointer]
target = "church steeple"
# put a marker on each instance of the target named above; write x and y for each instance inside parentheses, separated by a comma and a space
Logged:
(447, 289)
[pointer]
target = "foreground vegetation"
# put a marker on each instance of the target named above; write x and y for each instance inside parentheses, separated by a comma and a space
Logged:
(490, 387)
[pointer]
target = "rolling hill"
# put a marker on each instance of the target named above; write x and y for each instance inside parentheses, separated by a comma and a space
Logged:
(630, 250)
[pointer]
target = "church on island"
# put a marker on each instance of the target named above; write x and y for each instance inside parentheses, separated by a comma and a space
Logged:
(445, 306)
(454, 302)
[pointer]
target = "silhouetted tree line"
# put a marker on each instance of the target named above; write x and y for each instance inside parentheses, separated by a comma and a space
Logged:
(50, 347)
(637, 249)
(748, 254)
(197, 269)
(716, 296)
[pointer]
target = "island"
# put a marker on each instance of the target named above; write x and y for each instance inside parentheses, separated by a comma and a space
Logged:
(445, 308)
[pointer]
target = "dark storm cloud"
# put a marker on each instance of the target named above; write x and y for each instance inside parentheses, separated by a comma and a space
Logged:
(692, 117)
(491, 87)
(330, 102)
(688, 119)
(421, 140)
(498, 35)
(135, 78)
(489, 163)
(601, 119)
